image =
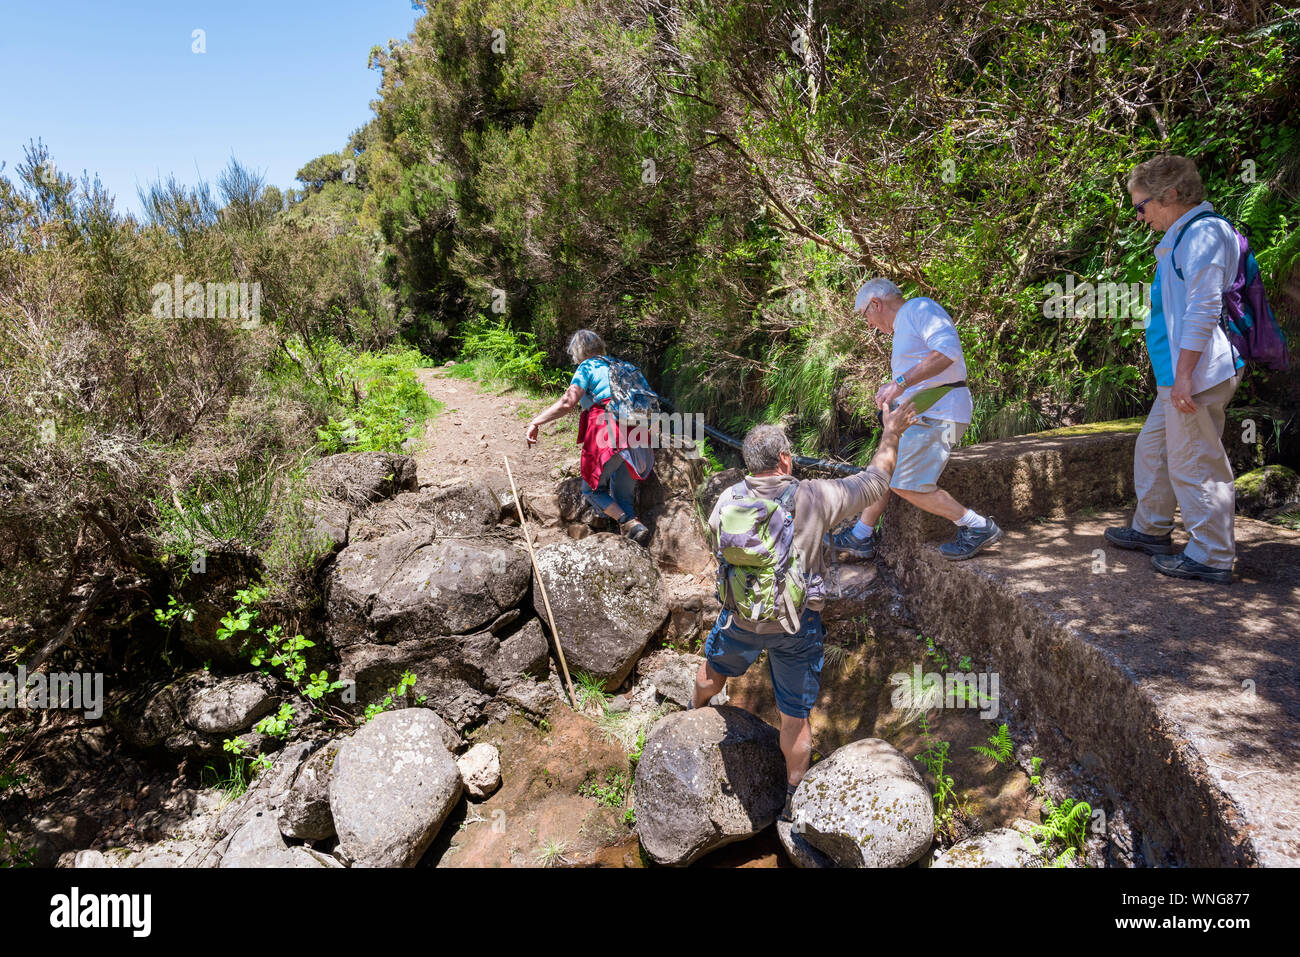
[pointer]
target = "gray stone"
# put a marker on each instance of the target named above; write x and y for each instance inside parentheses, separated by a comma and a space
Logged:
(526, 652)
(679, 542)
(394, 784)
(707, 778)
(409, 585)
(480, 770)
(865, 805)
(1003, 847)
(447, 674)
(675, 680)
(232, 705)
(608, 600)
(535, 697)
(306, 815)
(459, 508)
(800, 852)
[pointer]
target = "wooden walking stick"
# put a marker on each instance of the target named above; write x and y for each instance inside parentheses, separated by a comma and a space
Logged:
(528, 537)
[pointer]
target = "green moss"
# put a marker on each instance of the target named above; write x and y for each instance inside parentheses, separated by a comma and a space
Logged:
(1095, 428)
(1259, 480)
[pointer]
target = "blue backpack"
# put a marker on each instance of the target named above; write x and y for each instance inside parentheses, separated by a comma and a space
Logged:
(1247, 318)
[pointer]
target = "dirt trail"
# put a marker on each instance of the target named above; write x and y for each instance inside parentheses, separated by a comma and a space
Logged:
(469, 437)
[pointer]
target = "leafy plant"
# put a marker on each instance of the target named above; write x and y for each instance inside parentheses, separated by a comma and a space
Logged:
(999, 747)
(612, 792)
(934, 758)
(404, 685)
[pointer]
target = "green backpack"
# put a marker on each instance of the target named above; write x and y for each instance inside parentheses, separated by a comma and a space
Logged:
(761, 575)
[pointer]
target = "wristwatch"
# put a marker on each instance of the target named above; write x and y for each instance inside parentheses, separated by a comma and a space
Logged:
(901, 381)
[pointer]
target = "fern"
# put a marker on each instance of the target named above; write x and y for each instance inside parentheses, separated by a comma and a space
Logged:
(999, 746)
(1066, 823)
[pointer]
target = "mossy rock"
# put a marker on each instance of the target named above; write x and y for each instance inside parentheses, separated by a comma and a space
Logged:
(1270, 487)
(1095, 428)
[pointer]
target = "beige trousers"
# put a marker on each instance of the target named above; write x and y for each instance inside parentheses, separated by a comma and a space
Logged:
(1179, 459)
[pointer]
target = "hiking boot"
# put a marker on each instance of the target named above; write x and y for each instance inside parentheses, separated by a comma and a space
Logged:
(787, 812)
(634, 530)
(846, 541)
(1180, 566)
(970, 540)
(1132, 538)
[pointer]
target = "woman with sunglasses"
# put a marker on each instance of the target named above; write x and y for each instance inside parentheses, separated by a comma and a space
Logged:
(1179, 458)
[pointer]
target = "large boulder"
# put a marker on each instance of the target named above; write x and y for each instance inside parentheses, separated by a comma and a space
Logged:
(306, 814)
(458, 508)
(210, 593)
(232, 705)
(258, 843)
(448, 671)
(677, 473)
(1003, 847)
(678, 542)
(457, 674)
(575, 508)
(179, 716)
(394, 783)
(707, 778)
(608, 600)
(412, 584)
(361, 478)
(865, 805)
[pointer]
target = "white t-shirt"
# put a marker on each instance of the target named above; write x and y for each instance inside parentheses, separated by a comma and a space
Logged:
(921, 327)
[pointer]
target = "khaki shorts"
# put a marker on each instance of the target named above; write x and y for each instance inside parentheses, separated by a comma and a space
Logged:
(923, 452)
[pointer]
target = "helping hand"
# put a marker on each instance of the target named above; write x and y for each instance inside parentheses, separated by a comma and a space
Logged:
(896, 421)
(531, 435)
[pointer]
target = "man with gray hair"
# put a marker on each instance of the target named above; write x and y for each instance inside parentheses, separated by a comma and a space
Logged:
(928, 369)
(770, 514)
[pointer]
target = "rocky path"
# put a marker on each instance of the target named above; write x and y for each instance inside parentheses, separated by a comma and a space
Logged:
(478, 427)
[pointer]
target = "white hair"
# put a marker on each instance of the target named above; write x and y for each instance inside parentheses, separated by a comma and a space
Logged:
(875, 289)
(584, 344)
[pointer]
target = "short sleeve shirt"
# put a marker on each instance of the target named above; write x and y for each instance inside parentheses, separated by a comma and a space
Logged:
(923, 326)
(592, 376)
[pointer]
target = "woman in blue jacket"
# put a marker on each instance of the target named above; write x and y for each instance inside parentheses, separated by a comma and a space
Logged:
(1179, 458)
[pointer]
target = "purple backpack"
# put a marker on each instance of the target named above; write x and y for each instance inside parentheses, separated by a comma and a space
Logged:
(1247, 318)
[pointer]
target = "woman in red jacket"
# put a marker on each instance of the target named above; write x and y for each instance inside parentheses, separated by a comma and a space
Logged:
(610, 468)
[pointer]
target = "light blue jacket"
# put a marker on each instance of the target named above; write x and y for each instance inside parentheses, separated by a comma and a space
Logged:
(1207, 257)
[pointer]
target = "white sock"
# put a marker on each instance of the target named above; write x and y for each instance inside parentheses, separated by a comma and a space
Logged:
(972, 519)
(862, 530)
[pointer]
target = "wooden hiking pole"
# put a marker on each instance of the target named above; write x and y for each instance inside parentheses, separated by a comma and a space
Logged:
(528, 537)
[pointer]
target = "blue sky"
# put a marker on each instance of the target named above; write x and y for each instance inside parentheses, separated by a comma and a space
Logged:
(113, 86)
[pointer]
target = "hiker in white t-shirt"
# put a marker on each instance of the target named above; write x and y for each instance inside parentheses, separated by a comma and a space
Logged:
(926, 355)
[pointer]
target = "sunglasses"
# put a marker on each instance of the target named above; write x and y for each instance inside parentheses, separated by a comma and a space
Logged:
(1138, 208)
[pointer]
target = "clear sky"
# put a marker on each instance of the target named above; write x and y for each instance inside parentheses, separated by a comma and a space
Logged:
(113, 86)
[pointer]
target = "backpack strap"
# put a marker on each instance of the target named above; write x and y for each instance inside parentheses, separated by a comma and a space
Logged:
(1179, 238)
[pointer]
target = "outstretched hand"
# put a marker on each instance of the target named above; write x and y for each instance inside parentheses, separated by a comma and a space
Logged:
(531, 435)
(896, 421)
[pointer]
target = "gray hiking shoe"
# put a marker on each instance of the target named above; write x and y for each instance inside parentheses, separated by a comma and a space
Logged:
(787, 812)
(634, 530)
(846, 541)
(1132, 538)
(970, 540)
(1180, 566)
